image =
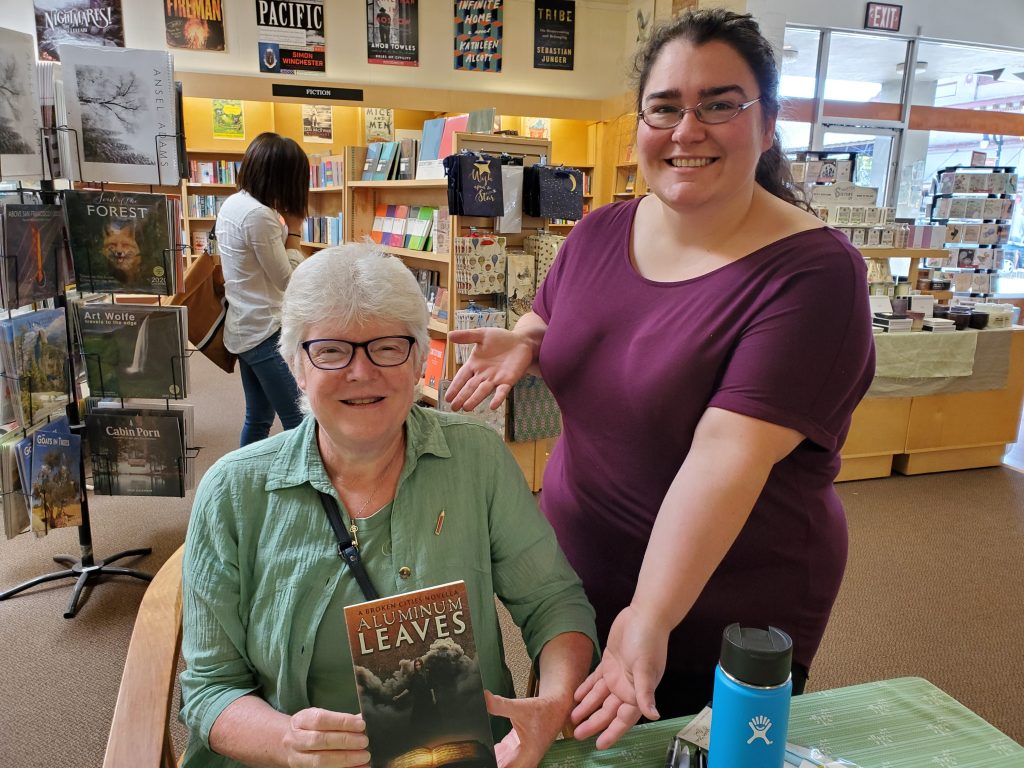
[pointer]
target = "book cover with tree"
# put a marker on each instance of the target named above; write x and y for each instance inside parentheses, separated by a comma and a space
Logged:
(418, 680)
(56, 486)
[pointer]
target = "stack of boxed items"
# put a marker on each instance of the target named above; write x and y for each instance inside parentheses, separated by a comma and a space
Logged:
(852, 210)
(983, 182)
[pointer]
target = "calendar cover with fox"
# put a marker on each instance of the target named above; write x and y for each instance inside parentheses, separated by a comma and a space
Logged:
(418, 680)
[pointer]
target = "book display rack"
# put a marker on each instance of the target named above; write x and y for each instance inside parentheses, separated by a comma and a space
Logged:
(66, 481)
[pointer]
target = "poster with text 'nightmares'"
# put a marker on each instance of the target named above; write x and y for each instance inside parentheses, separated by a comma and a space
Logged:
(77, 22)
(291, 37)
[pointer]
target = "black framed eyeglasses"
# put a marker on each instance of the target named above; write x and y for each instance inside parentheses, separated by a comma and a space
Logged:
(711, 113)
(335, 354)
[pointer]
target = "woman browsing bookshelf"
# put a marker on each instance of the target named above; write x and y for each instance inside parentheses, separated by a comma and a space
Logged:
(258, 234)
(707, 345)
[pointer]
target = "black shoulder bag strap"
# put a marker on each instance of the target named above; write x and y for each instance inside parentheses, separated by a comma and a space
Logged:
(347, 551)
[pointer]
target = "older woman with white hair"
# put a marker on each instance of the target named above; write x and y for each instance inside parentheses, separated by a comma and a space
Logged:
(269, 677)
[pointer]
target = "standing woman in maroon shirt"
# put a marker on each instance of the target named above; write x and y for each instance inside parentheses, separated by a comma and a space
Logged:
(707, 345)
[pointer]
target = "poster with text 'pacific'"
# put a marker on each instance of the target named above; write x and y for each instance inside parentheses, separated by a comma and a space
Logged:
(479, 30)
(291, 37)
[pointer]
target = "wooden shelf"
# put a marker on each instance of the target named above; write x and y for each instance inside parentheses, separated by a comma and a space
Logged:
(903, 253)
(309, 244)
(408, 253)
(403, 184)
(202, 218)
(437, 326)
(335, 188)
(429, 394)
(208, 185)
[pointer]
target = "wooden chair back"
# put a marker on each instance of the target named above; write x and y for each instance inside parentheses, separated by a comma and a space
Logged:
(140, 735)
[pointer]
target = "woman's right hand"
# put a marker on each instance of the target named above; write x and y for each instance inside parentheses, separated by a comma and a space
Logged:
(498, 361)
(320, 738)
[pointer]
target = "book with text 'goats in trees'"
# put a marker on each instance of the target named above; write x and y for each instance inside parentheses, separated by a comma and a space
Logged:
(418, 680)
(121, 241)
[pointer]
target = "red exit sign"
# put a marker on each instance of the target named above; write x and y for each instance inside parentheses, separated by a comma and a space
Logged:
(883, 16)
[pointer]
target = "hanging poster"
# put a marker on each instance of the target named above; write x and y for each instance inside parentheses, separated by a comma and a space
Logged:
(380, 124)
(393, 32)
(195, 25)
(317, 123)
(228, 119)
(478, 34)
(554, 34)
(77, 22)
(291, 37)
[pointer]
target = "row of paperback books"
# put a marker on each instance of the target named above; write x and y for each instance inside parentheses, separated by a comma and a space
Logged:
(120, 242)
(213, 171)
(391, 160)
(203, 206)
(403, 226)
(323, 229)
(326, 171)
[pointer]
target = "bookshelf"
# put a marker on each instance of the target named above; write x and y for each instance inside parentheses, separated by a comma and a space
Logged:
(362, 199)
(210, 181)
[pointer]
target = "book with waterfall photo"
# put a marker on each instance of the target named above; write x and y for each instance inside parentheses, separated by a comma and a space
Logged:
(121, 104)
(34, 353)
(134, 350)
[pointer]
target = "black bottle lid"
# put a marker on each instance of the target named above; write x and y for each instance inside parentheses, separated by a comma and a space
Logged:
(757, 656)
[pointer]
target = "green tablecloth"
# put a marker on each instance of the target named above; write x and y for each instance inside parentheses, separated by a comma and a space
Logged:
(902, 723)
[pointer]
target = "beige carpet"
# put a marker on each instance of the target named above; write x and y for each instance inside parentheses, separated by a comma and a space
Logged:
(933, 588)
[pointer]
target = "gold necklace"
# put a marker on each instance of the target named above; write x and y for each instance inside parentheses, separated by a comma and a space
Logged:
(353, 528)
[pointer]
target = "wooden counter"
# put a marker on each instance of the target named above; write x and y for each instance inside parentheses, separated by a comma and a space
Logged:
(936, 433)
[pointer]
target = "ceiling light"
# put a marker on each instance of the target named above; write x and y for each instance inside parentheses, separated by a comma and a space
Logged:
(919, 67)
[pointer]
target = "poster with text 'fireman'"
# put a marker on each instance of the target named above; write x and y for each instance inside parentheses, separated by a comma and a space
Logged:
(479, 30)
(291, 37)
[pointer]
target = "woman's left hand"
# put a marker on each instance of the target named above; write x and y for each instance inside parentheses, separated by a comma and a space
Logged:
(621, 689)
(536, 722)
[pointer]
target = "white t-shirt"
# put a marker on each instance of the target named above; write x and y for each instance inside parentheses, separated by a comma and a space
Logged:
(257, 267)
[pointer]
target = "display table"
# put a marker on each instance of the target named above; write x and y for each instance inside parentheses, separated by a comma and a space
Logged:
(934, 422)
(902, 723)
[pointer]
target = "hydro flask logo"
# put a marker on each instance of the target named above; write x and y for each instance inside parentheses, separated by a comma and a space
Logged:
(759, 729)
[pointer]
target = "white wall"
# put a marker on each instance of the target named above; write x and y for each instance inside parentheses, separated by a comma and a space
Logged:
(990, 22)
(599, 66)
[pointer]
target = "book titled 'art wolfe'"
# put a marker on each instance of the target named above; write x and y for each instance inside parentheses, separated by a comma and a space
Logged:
(418, 680)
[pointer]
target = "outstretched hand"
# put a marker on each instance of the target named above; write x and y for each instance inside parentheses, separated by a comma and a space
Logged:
(499, 359)
(621, 690)
(536, 722)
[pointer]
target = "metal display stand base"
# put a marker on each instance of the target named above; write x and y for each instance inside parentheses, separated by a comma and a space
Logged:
(86, 571)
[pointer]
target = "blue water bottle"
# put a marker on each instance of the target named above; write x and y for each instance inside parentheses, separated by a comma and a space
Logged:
(750, 708)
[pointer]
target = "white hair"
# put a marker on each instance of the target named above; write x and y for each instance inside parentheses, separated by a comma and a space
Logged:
(352, 284)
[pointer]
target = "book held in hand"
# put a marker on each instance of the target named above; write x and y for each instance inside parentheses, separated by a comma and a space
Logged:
(418, 680)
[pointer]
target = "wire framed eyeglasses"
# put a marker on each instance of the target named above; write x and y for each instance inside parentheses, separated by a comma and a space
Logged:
(712, 113)
(335, 354)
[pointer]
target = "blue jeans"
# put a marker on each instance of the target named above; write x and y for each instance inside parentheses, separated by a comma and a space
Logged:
(269, 388)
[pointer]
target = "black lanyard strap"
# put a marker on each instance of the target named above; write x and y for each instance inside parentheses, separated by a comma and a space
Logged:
(347, 551)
